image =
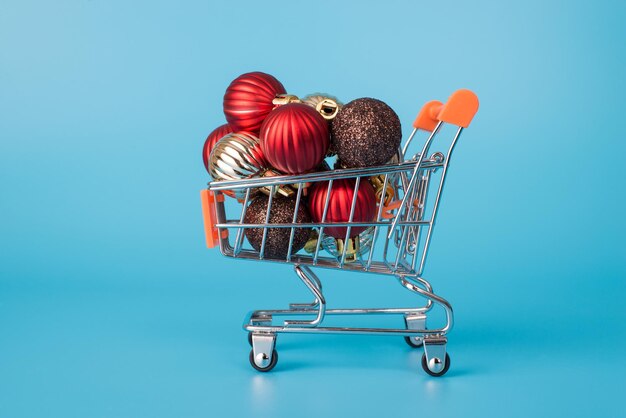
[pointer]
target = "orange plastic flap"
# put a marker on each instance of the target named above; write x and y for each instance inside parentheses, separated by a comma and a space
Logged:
(427, 118)
(387, 212)
(460, 108)
(212, 234)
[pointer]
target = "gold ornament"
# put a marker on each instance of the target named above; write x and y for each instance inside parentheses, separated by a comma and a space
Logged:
(234, 157)
(311, 244)
(357, 247)
(379, 181)
(286, 190)
(283, 99)
(327, 106)
(289, 190)
(335, 247)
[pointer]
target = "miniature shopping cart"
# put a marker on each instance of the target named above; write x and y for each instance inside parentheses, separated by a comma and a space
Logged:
(400, 238)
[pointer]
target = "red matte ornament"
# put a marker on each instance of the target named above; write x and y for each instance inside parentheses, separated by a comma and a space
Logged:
(248, 100)
(217, 134)
(340, 204)
(294, 138)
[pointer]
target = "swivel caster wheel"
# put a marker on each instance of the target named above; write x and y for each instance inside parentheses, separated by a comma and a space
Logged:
(263, 356)
(415, 321)
(263, 359)
(435, 364)
(415, 342)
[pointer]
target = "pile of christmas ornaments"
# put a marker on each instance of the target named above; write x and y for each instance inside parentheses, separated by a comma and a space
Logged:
(270, 133)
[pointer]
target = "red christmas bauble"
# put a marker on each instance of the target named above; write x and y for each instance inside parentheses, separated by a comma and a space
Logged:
(248, 100)
(217, 134)
(340, 204)
(294, 138)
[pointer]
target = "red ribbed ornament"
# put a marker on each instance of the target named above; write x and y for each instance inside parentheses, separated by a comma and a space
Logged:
(340, 204)
(248, 100)
(217, 134)
(294, 138)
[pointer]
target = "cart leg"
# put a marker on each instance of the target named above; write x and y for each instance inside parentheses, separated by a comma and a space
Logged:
(316, 303)
(263, 356)
(313, 284)
(435, 360)
(415, 321)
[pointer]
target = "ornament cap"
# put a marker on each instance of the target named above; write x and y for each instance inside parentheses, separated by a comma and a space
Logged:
(283, 99)
(326, 105)
(286, 190)
(328, 108)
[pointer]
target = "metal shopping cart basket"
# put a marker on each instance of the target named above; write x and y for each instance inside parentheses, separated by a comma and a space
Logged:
(399, 239)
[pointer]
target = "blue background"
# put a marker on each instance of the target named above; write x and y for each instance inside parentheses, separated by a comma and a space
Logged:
(111, 306)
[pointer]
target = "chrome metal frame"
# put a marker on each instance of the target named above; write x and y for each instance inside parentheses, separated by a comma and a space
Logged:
(402, 247)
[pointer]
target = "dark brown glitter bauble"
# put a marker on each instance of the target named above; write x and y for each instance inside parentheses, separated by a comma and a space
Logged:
(277, 241)
(366, 132)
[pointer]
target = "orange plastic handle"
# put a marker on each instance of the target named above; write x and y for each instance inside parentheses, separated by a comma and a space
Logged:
(212, 234)
(459, 110)
(428, 117)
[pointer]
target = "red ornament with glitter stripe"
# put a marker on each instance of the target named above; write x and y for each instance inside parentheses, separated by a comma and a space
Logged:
(341, 197)
(294, 138)
(248, 100)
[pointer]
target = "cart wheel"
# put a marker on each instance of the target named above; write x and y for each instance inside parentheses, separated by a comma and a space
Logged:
(415, 342)
(250, 338)
(436, 374)
(269, 367)
(411, 341)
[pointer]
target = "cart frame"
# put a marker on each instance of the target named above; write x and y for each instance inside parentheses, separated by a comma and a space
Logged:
(406, 225)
